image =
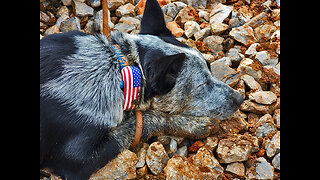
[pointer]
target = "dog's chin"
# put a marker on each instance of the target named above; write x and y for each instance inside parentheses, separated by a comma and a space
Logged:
(213, 116)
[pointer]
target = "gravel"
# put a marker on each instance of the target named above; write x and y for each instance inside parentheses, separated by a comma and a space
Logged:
(241, 41)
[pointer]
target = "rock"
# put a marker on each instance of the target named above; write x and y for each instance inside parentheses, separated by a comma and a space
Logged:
(234, 124)
(248, 106)
(142, 154)
(130, 21)
(157, 158)
(44, 17)
(52, 30)
(191, 27)
(276, 117)
(197, 3)
(251, 67)
(208, 57)
(203, 33)
(211, 143)
(221, 71)
(273, 147)
(115, 4)
(180, 168)
(251, 83)
(257, 20)
(252, 50)
(243, 34)
(276, 162)
(141, 172)
(205, 15)
(172, 9)
(66, 2)
(205, 158)
(175, 29)
(265, 126)
(219, 13)
(218, 28)
(127, 9)
(235, 56)
(236, 168)
(263, 32)
(263, 97)
(214, 43)
(183, 151)
(81, 9)
(233, 149)
(173, 145)
(196, 146)
(140, 6)
(122, 167)
(186, 14)
(266, 59)
(95, 3)
(260, 169)
(71, 24)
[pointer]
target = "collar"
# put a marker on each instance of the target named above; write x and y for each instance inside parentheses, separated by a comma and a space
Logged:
(131, 84)
(131, 81)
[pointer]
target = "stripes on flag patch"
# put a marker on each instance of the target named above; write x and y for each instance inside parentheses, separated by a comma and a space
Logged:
(131, 77)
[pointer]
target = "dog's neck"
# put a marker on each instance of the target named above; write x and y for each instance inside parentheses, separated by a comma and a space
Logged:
(129, 51)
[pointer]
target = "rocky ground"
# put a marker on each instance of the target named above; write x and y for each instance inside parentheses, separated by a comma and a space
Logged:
(241, 41)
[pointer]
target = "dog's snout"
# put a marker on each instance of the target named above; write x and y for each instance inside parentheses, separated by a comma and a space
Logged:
(238, 99)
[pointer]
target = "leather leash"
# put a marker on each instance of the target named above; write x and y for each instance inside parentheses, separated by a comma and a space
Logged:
(139, 127)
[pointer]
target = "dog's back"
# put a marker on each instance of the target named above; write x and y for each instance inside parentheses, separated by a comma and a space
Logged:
(80, 100)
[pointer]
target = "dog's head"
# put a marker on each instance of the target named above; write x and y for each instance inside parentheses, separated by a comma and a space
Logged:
(178, 78)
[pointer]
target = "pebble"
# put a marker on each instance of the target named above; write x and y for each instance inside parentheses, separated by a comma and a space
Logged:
(243, 34)
(185, 14)
(127, 9)
(218, 28)
(263, 97)
(276, 162)
(251, 83)
(122, 167)
(81, 9)
(179, 167)
(260, 169)
(219, 13)
(273, 147)
(157, 158)
(233, 149)
(71, 24)
(236, 168)
(265, 126)
(205, 158)
(172, 9)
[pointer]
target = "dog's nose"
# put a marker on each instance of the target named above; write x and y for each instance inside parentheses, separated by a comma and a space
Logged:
(238, 99)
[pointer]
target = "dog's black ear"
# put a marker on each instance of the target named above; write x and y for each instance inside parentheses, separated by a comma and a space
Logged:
(153, 21)
(162, 73)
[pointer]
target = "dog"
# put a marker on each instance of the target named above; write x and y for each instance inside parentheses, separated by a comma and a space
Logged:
(82, 122)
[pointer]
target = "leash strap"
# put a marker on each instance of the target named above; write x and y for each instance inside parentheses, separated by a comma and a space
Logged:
(139, 127)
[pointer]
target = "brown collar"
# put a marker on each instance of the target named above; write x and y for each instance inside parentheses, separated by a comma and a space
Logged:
(139, 127)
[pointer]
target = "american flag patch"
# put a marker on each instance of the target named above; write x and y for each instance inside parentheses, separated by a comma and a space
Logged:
(131, 77)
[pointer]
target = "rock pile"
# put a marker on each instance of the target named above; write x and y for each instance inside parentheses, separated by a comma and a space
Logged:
(241, 41)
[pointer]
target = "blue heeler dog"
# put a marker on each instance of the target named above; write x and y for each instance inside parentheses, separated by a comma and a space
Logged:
(82, 122)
